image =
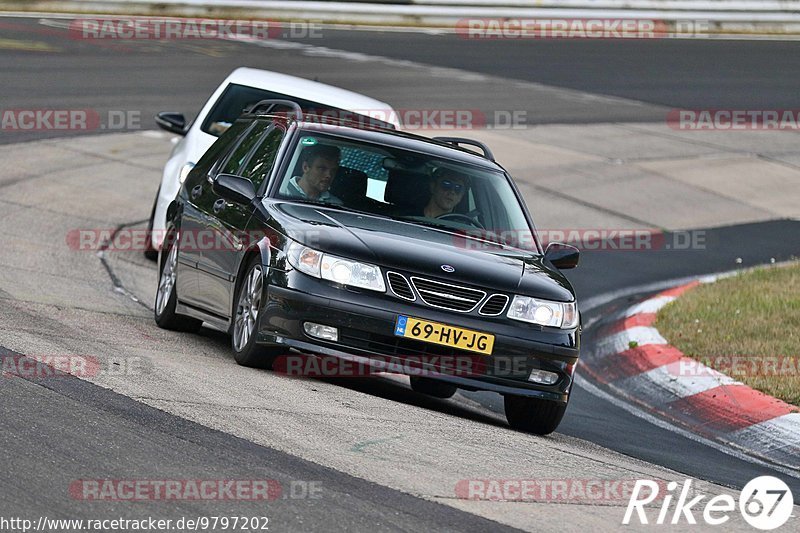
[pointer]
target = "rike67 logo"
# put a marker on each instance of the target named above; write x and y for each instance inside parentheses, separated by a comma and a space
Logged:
(765, 503)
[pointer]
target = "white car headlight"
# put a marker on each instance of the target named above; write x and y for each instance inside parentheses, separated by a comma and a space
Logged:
(334, 268)
(184, 173)
(543, 312)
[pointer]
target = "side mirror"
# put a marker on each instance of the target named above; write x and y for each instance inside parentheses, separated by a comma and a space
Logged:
(562, 256)
(172, 122)
(234, 188)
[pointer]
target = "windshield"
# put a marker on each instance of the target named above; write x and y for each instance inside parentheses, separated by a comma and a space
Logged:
(414, 187)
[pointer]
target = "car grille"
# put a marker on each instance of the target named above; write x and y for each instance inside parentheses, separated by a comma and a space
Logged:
(494, 305)
(399, 285)
(447, 296)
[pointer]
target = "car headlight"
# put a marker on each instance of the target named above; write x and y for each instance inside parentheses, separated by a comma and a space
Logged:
(333, 268)
(184, 173)
(543, 312)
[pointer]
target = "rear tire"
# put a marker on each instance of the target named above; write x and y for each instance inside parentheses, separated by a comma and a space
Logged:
(167, 294)
(533, 415)
(431, 387)
(245, 318)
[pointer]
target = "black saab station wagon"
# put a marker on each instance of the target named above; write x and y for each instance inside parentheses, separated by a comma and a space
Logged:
(334, 239)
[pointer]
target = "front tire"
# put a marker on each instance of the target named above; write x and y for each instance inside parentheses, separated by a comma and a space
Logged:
(533, 415)
(167, 295)
(150, 252)
(244, 330)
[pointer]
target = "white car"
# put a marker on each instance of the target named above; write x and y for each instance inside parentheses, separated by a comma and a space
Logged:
(243, 88)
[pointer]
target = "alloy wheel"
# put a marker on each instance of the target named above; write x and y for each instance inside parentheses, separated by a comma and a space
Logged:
(248, 307)
(167, 281)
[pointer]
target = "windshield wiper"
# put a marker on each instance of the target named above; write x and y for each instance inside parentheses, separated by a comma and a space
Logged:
(447, 228)
(354, 210)
(426, 222)
(338, 207)
(485, 237)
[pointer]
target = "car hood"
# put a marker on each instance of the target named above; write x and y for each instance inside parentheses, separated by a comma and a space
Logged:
(415, 249)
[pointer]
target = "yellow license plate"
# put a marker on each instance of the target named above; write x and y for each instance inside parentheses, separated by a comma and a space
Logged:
(436, 333)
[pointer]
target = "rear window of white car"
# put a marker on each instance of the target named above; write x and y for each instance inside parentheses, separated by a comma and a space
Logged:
(237, 98)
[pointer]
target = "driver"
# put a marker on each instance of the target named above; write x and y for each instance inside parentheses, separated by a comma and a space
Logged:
(447, 190)
(320, 163)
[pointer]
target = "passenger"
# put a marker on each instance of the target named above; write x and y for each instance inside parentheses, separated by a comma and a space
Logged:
(320, 163)
(447, 190)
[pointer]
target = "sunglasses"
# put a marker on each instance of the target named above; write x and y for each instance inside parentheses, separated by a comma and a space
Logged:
(448, 185)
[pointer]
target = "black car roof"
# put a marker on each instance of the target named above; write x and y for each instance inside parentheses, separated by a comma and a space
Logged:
(399, 139)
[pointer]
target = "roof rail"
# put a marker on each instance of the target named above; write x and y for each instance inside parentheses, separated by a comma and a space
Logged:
(271, 104)
(457, 141)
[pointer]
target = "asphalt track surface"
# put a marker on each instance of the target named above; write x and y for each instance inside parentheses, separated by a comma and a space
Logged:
(51, 71)
(87, 419)
(668, 72)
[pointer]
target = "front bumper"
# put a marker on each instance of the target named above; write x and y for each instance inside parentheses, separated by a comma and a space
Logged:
(366, 323)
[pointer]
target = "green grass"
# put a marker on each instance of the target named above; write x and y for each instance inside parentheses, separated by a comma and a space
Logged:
(753, 318)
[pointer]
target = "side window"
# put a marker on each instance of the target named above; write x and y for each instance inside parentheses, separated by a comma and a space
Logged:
(211, 160)
(239, 154)
(260, 164)
(376, 189)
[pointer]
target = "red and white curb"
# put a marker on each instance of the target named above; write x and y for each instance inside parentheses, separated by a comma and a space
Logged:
(632, 358)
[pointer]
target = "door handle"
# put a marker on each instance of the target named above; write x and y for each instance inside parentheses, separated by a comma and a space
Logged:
(219, 205)
(197, 190)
